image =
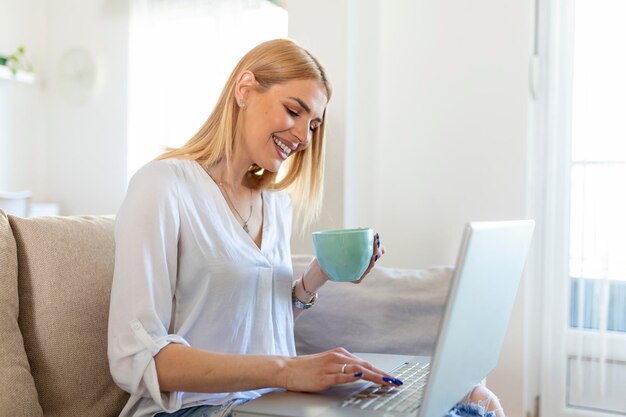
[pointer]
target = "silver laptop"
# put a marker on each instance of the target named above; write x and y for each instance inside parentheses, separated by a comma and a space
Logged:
(489, 267)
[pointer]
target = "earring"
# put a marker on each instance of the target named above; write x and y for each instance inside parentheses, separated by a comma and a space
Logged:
(242, 103)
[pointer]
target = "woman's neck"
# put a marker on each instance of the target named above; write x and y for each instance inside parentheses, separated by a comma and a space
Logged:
(231, 175)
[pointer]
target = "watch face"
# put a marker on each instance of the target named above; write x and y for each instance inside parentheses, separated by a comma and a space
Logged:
(77, 75)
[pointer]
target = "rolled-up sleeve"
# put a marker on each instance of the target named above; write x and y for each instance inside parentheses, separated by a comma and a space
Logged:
(142, 295)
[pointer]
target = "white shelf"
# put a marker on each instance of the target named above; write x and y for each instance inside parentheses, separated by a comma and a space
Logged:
(21, 76)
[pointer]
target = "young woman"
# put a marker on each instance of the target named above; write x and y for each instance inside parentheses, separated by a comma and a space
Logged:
(203, 299)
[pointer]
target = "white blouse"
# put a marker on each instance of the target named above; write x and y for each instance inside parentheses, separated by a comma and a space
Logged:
(186, 272)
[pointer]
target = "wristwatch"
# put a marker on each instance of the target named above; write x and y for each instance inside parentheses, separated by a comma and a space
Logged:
(296, 302)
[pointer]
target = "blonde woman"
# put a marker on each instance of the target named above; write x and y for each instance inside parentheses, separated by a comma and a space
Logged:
(203, 298)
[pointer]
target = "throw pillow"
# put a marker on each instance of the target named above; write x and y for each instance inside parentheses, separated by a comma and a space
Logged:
(19, 396)
(65, 273)
(391, 311)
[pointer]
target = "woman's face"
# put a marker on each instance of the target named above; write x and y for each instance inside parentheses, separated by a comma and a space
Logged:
(280, 121)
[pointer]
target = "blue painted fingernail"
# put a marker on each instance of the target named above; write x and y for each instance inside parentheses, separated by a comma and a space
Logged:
(393, 381)
(376, 258)
(358, 374)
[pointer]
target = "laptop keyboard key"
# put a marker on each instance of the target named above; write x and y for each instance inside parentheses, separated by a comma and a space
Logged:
(407, 397)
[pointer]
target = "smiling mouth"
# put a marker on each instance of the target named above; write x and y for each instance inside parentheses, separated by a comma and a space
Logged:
(286, 150)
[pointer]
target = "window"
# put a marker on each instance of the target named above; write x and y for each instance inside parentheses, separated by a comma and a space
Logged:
(180, 55)
(584, 274)
(598, 167)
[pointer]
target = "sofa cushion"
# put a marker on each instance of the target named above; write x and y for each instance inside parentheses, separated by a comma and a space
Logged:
(391, 311)
(19, 396)
(65, 270)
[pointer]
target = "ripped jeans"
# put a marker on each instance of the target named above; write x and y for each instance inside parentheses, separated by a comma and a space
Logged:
(465, 408)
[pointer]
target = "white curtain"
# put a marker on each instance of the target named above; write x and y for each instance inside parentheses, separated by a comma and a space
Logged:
(180, 55)
(598, 201)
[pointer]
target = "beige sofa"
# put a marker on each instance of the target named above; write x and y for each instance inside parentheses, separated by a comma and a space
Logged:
(55, 276)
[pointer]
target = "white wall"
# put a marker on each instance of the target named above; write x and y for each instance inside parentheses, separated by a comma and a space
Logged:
(435, 101)
(453, 114)
(453, 138)
(70, 154)
(329, 45)
(22, 122)
(86, 172)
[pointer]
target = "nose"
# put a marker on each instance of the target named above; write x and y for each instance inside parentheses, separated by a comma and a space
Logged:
(303, 133)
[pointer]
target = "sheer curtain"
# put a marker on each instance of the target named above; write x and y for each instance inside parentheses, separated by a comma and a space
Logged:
(584, 331)
(598, 202)
(180, 54)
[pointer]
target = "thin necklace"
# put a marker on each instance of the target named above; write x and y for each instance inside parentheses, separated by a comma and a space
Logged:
(245, 222)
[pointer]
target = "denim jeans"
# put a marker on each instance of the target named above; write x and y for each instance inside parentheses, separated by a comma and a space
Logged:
(467, 409)
(223, 410)
(464, 409)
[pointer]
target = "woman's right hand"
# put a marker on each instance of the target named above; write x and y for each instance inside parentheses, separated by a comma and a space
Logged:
(317, 372)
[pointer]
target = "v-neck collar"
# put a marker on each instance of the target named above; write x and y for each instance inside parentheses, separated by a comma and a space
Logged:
(244, 235)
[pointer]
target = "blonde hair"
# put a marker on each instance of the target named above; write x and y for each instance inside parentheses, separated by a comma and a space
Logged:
(272, 62)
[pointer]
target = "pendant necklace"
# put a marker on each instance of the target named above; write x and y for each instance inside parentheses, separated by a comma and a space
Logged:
(245, 222)
(225, 193)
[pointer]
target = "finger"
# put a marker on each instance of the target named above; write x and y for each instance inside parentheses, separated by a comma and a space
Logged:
(380, 248)
(347, 378)
(373, 369)
(377, 377)
(376, 253)
(356, 364)
(354, 372)
(347, 368)
(376, 244)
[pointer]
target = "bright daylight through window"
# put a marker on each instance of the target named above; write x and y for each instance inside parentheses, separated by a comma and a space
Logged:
(597, 211)
(180, 54)
(581, 107)
(598, 168)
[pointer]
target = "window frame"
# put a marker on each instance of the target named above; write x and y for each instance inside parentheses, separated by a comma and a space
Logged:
(552, 122)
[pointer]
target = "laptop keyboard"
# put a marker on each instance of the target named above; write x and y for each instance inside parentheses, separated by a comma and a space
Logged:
(405, 398)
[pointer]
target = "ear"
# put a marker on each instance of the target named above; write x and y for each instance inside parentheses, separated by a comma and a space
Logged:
(245, 84)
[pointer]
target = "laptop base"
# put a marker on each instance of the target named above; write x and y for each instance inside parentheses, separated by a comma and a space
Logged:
(324, 403)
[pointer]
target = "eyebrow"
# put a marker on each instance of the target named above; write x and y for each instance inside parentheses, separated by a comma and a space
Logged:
(305, 107)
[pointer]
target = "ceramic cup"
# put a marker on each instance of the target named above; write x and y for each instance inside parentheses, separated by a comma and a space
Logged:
(344, 254)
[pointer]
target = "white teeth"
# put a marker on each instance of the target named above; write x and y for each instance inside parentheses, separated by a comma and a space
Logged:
(281, 145)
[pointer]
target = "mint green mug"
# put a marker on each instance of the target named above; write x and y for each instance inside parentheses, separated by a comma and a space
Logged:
(344, 254)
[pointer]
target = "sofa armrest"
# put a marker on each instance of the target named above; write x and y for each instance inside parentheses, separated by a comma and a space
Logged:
(391, 311)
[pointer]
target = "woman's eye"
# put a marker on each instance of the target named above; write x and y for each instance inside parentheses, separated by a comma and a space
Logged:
(291, 112)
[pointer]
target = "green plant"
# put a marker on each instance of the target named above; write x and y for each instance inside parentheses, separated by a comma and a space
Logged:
(16, 61)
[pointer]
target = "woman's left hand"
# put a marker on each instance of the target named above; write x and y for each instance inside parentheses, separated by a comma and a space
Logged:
(316, 277)
(377, 253)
